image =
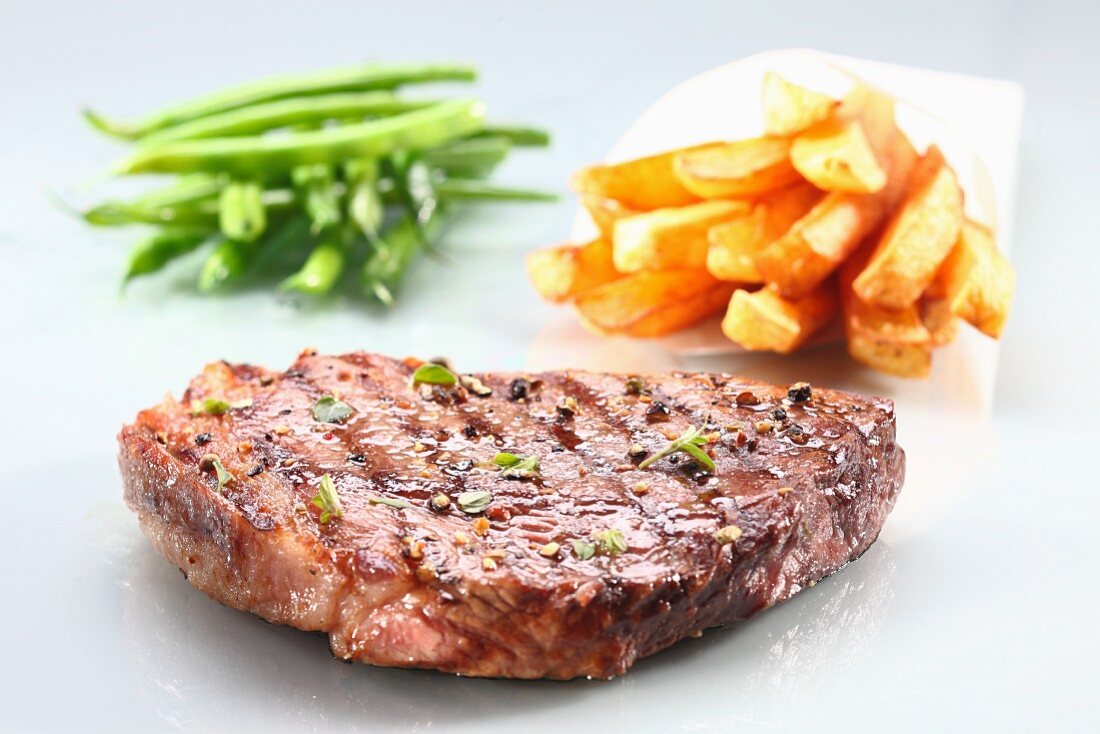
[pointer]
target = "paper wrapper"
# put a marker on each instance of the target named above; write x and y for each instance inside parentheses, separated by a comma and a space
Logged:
(944, 421)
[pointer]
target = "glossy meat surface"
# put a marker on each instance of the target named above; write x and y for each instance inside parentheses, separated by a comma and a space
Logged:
(805, 485)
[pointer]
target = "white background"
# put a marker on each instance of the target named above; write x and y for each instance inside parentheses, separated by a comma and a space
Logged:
(976, 610)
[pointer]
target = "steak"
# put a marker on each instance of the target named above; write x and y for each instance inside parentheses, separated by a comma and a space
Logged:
(445, 545)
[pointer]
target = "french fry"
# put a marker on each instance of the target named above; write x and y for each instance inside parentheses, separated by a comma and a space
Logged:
(790, 108)
(919, 237)
(742, 168)
(830, 214)
(765, 321)
(653, 304)
(819, 242)
(978, 282)
(670, 239)
(935, 314)
(643, 184)
(895, 342)
(847, 151)
(605, 212)
(836, 156)
(734, 245)
(561, 273)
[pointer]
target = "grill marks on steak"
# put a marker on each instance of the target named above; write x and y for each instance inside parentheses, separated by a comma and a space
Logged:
(413, 587)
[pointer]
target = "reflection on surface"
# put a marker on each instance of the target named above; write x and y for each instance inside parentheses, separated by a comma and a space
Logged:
(785, 652)
(206, 666)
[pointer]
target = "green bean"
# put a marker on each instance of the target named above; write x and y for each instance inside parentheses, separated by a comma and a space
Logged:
(476, 190)
(153, 253)
(116, 213)
(415, 191)
(280, 249)
(415, 187)
(187, 188)
(179, 203)
(198, 212)
(316, 186)
(305, 111)
(365, 205)
(226, 263)
(355, 79)
(261, 156)
(389, 261)
(472, 158)
(241, 212)
(323, 267)
(231, 259)
(519, 136)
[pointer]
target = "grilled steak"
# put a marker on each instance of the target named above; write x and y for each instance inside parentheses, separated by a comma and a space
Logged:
(447, 556)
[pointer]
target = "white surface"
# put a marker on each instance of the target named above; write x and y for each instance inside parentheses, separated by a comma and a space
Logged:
(975, 611)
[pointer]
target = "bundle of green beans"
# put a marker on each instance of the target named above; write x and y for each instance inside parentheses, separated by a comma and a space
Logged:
(332, 166)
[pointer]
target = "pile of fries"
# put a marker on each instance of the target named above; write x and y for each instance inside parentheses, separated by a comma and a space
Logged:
(831, 214)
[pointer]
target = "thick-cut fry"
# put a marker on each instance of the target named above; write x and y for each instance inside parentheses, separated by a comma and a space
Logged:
(895, 342)
(837, 156)
(978, 282)
(670, 239)
(643, 184)
(735, 244)
(935, 314)
(560, 273)
(817, 244)
(605, 212)
(743, 168)
(848, 151)
(653, 303)
(920, 235)
(829, 215)
(765, 321)
(790, 108)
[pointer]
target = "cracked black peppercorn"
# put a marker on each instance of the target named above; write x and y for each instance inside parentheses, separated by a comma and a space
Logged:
(518, 388)
(797, 435)
(779, 414)
(800, 392)
(657, 412)
(203, 438)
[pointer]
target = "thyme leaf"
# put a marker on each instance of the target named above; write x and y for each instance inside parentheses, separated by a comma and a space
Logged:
(330, 410)
(583, 549)
(517, 466)
(326, 500)
(689, 442)
(433, 374)
(474, 502)
(209, 406)
(211, 461)
(389, 502)
(218, 406)
(611, 542)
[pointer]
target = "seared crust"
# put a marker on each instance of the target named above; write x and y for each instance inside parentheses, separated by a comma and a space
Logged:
(400, 587)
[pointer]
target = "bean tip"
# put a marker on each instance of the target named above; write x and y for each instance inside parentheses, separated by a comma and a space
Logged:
(61, 204)
(103, 125)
